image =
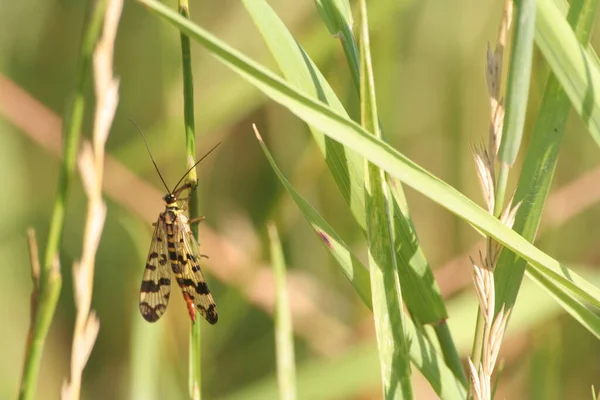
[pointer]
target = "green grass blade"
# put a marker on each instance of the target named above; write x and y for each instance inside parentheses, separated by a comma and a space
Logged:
(381, 154)
(578, 310)
(423, 355)
(573, 65)
(355, 271)
(386, 288)
(517, 93)
(284, 336)
(540, 163)
(50, 278)
(337, 16)
(194, 360)
(422, 296)
(519, 76)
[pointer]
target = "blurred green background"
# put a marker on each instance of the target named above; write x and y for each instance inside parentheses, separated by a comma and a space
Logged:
(429, 66)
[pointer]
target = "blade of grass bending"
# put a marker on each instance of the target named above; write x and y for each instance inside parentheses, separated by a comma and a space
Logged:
(386, 288)
(423, 297)
(355, 271)
(421, 352)
(540, 163)
(284, 337)
(194, 369)
(381, 154)
(50, 278)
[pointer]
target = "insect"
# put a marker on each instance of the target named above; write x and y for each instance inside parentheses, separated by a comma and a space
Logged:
(173, 245)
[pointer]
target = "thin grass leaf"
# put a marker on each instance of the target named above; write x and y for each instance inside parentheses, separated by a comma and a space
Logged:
(519, 76)
(284, 336)
(194, 358)
(355, 271)
(337, 16)
(386, 287)
(517, 93)
(578, 310)
(352, 135)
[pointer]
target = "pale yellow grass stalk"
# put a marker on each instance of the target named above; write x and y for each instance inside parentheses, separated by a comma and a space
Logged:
(91, 167)
(483, 270)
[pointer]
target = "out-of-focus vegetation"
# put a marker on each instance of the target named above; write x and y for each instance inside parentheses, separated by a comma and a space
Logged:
(429, 60)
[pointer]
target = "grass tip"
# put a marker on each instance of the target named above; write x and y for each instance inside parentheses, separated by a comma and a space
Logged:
(257, 133)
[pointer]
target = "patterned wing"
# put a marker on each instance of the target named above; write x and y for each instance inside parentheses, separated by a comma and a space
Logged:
(156, 283)
(190, 279)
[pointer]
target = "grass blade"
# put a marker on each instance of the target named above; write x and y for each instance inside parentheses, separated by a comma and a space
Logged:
(517, 93)
(195, 365)
(284, 337)
(386, 287)
(573, 64)
(355, 271)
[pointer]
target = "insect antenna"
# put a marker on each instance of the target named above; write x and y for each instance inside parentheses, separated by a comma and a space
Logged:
(150, 153)
(194, 166)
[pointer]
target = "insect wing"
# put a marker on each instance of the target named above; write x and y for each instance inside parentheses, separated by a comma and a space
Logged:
(193, 284)
(156, 282)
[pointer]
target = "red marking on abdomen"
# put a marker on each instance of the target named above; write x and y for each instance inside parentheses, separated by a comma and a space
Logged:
(190, 306)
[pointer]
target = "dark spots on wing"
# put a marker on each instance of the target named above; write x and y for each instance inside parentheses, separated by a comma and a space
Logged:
(150, 267)
(176, 268)
(191, 257)
(163, 259)
(159, 239)
(182, 261)
(195, 268)
(152, 314)
(153, 287)
(153, 255)
(210, 313)
(202, 288)
(183, 283)
(172, 254)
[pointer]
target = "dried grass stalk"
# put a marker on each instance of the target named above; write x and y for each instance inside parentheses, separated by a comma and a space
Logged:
(91, 167)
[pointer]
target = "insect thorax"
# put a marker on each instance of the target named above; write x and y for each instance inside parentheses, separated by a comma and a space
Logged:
(171, 214)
